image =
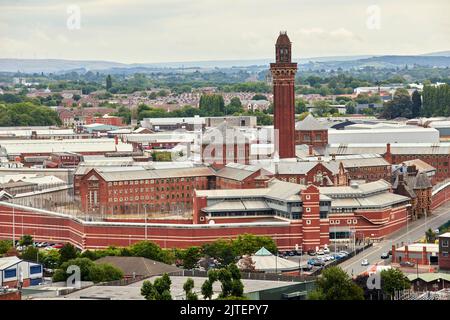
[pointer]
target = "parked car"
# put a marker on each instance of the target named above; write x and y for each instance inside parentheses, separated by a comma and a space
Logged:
(308, 267)
(344, 252)
(319, 263)
(311, 252)
(365, 262)
(58, 246)
(326, 250)
(407, 264)
(336, 256)
(385, 255)
(320, 252)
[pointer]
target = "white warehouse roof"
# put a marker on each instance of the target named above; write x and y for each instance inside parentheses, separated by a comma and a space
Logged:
(399, 135)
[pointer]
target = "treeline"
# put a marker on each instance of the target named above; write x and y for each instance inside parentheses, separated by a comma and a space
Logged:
(436, 101)
(27, 114)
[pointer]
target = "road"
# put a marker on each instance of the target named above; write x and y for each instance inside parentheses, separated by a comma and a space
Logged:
(414, 231)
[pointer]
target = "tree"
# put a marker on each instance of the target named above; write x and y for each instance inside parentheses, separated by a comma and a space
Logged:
(416, 104)
(207, 289)
(104, 273)
(230, 279)
(399, 106)
(26, 240)
(85, 265)
(108, 82)
(222, 250)
(321, 107)
(5, 245)
(149, 250)
(67, 252)
(350, 107)
(158, 290)
(50, 258)
(190, 257)
(430, 236)
(335, 284)
(250, 243)
(212, 104)
(187, 287)
(300, 106)
(393, 280)
(259, 97)
(30, 254)
(235, 106)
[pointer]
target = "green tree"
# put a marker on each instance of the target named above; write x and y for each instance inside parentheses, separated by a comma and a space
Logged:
(335, 284)
(416, 104)
(350, 107)
(187, 287)
(108, 82)
(300, 106)
(250, 243)
(158, 290)
(85, 265)
(5, 245)
(235, 106)
(67, 252)
(26, 240)
(212, 104)
(190, 257)
(430, 236)
(30, 254)
(148, 250)
(393, 280)
(259, 97)
(104, 273)
(399, 106)
(222, 250)
(50, 258)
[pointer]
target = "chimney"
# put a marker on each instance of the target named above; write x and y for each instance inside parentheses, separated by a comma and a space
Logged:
(333, 157)
(311, 152)
(388, 148)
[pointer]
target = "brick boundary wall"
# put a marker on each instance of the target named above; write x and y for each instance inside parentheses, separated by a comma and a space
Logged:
(440, 196)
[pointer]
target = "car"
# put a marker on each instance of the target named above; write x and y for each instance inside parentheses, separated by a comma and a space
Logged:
(336, 256)
(319, 263)
(326, 250)
(291, 253)
(365, 262)
(344, 252)
(385, 255)
(308, 267)
(58, 246)
(407, 264)
(311, 252)
(311, 261)
(320, 252)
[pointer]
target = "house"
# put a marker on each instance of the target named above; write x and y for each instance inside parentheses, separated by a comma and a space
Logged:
(444, 250)
(311, 132)
(15, 272)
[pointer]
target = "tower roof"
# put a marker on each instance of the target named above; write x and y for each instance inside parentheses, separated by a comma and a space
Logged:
(283, 39)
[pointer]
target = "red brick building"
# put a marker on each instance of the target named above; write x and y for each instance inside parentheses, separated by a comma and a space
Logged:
(444, 251)
(237, 176)
(311, 132)
(318, 172)
(167, 190)
(223, 145)
(283, 76)
(63, 160)
(106, 119)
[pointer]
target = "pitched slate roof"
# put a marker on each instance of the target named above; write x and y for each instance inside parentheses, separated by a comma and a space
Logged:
(309, 124)
(138, 265)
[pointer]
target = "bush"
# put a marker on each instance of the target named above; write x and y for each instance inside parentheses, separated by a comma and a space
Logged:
(104, 273)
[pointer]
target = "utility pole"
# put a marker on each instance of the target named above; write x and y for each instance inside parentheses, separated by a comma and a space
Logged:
(14, 228)
(145, 213)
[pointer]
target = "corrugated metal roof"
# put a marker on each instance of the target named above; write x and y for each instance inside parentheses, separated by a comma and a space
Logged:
(156, 174)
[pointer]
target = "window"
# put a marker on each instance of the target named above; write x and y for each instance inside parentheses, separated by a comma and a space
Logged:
(445, 243)
(35, 269)
(10, 273)
(308, 222)
(308, 209)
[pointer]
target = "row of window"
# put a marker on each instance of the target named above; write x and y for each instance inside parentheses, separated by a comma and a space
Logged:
(349, 221)
(154, 181)
(163, 196)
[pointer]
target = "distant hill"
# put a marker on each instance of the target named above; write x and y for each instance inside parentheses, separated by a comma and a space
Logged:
(436, 59)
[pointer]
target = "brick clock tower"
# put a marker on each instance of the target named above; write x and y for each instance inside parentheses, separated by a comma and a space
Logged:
(283, 75)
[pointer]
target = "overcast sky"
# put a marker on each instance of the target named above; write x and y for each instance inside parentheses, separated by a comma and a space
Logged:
(189, 30)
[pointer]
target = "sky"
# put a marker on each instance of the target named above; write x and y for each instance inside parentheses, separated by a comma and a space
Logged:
(149, 31)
